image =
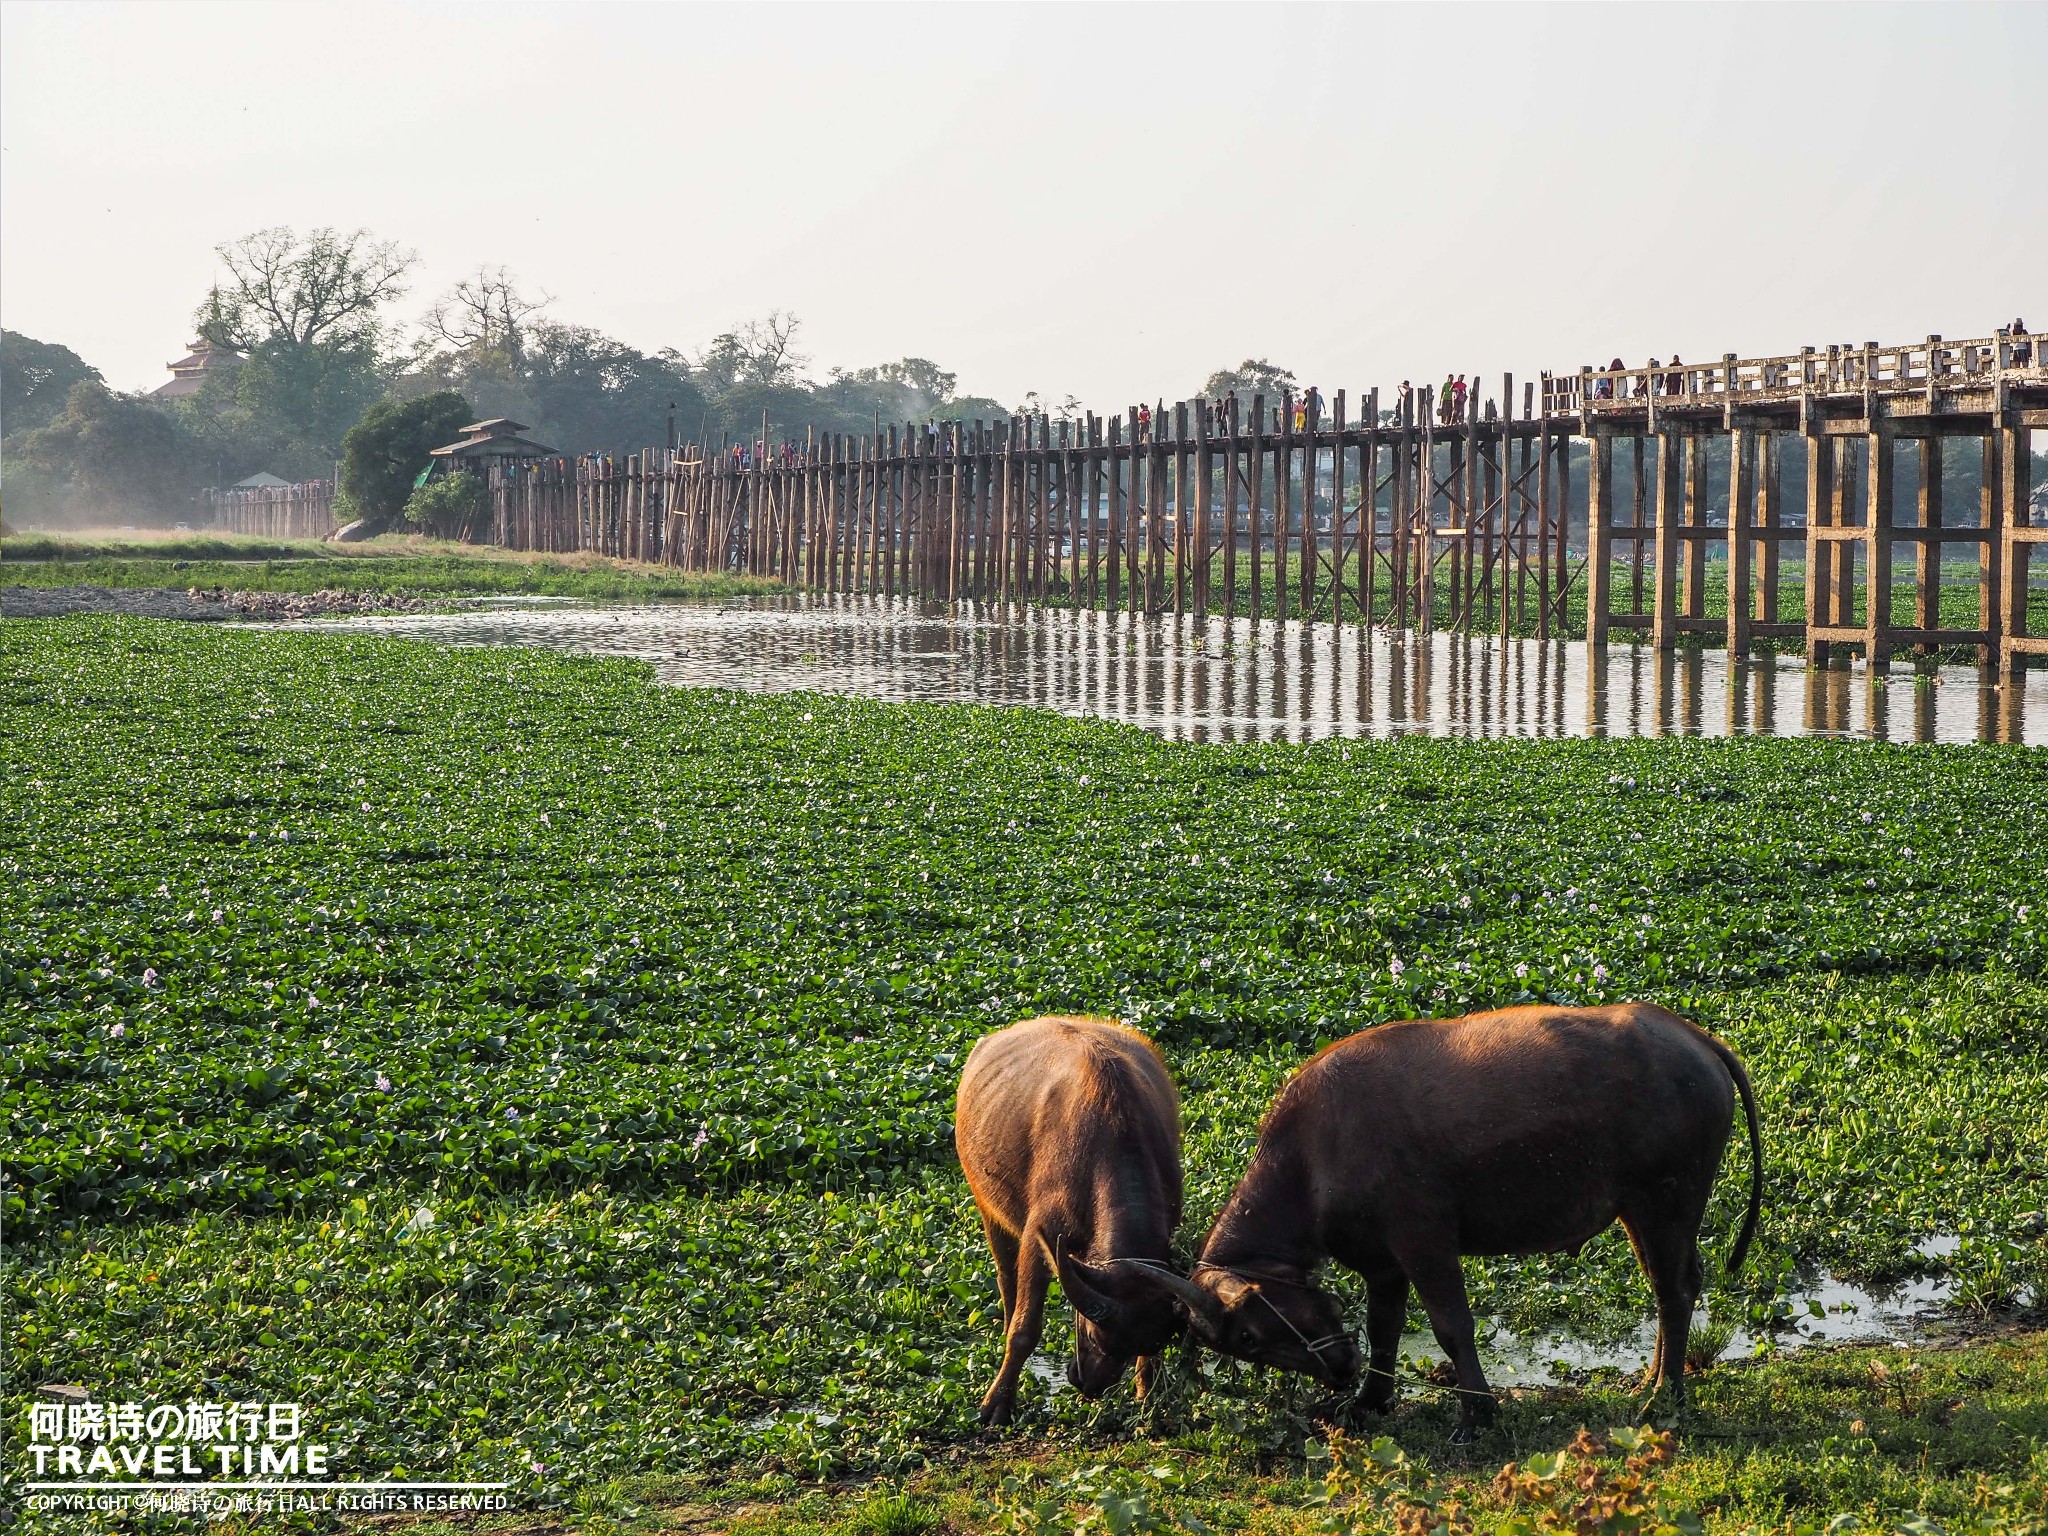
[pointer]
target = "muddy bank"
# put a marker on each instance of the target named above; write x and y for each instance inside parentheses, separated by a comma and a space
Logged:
(196, 603)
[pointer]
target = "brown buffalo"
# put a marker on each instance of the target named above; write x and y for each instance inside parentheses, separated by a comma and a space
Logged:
(1069, 1133)
(1524, 1131)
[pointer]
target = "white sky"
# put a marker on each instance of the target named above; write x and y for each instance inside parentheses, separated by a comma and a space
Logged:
(1104, 200)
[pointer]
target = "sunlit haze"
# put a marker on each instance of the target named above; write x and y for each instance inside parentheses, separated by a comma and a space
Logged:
(1104, 201)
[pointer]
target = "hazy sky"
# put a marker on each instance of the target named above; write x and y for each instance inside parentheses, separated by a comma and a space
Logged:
(1104, 200)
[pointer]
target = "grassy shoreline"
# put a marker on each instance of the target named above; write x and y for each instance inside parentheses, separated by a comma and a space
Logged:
(653, 1001)
(401, 566)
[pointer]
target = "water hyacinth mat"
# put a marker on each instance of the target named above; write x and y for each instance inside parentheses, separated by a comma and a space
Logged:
(546, 1075)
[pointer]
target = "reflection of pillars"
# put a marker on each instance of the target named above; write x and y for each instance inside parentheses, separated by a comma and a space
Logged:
(1827, 701)
(1631, 723)
(1877, 556)
(1364, 658)
(1877, 712)
(1764, 718)
(1664, 698)
(1419, 679)
(1924, 714)
(1692, 667)
(1735, 686)
(2008, 709)
(1558, 675)
(1399, 664)
(1596, 689)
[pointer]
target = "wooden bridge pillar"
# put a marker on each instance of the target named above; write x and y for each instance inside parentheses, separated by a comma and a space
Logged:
(1693, 588)
(1877, 552)
(1664, 613)
(1599, 535)
(1768, 465)
(1929, 552)
(1741, 511)
(2014, 536)
(1820, 564)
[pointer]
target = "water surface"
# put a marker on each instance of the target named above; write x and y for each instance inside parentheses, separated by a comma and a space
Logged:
(1244, 682)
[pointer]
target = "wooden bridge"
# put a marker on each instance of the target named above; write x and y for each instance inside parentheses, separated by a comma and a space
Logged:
(1498, 523)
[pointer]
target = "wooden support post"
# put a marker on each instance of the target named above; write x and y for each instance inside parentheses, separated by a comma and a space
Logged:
(1564, 520)
(1255, 465)
(1768, 466)
(1369, 518)
(1311, 551)
(1338, 551)
(1204, 536)
(1283, 504)
(1599, 535)
(1820, 562)
(1693, 597)
(1182, 523)
(1877, 557)
(1118, 535)
(1927, 555)
(1640, 514)
(1664, 581)
(1135, 519)
(2014, 537)
(1544, 517)
(1991, 601)
(1741, 515)
(1231, 480)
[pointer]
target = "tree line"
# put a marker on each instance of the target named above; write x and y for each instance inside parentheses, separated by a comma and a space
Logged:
(307, 342)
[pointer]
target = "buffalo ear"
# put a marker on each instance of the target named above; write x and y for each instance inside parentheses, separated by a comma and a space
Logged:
(1088, 1288)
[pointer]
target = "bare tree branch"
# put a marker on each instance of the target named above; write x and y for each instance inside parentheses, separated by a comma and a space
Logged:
(326, 287)
(485, 312)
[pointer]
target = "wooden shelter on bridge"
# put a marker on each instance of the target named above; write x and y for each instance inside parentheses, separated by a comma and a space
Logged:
(487, 444)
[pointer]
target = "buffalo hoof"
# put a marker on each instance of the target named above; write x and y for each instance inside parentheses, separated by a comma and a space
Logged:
(996, 1412)
(1465, 1434)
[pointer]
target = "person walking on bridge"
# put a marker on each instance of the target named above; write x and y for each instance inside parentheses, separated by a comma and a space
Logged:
(1458, 399)
(1404, 405)
(1443, 402)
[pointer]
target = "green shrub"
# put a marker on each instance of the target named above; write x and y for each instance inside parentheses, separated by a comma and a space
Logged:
(453, 506)
(385, 451)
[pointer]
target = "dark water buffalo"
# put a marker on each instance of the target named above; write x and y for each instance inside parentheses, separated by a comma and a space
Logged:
(1069, 1133)
(1525, 1131)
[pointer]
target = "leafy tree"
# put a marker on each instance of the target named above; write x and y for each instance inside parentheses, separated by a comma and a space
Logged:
(284, 410)
(107, 455)
(306, 314)
(384, 452)
(36, 378)
(325, 287)
(452, 506)
(1253, 376)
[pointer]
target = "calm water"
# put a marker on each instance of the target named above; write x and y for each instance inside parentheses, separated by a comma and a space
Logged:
(1237, 683)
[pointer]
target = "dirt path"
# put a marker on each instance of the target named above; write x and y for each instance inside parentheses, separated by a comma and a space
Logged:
(195, 603)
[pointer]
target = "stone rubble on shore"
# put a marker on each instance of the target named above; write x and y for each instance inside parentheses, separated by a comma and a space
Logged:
(196, 603)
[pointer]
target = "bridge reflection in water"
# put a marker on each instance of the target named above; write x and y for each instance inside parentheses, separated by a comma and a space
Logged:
(1219, 681)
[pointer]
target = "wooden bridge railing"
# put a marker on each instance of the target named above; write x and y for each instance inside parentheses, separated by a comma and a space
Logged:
(301, 511)
(1984, 363)
(1393, 518)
